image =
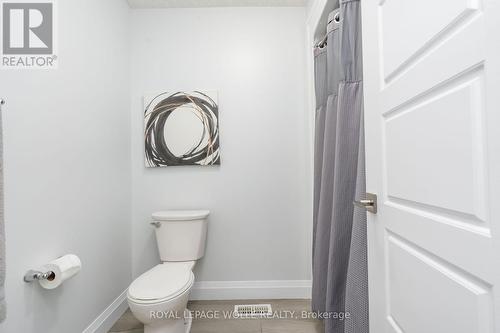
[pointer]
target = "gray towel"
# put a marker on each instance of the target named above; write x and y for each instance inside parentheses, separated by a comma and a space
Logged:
(3, 306)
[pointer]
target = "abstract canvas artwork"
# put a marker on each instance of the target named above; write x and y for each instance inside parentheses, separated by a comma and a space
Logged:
(181, 128)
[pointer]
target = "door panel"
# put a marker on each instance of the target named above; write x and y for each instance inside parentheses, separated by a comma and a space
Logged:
(431, 85)
(442, 236)
(454, 300)
(423, 165)
(409, 28)
(438, 65)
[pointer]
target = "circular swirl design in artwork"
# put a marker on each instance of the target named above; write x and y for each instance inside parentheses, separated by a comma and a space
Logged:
(206, 149)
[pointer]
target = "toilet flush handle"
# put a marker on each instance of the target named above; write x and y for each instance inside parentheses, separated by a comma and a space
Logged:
(156, 224)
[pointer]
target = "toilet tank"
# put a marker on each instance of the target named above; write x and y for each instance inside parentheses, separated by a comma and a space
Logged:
(181, 234)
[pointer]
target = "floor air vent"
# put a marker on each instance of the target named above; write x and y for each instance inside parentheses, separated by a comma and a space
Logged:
(253, 310)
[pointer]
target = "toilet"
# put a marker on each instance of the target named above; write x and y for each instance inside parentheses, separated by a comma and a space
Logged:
(158, 298)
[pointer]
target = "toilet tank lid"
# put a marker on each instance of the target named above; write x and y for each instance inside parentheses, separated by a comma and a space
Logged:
(180, 215)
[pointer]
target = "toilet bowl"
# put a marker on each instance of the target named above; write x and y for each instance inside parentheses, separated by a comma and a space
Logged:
(158, 298)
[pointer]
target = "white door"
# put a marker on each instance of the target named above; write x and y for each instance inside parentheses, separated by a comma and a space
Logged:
(432, 112)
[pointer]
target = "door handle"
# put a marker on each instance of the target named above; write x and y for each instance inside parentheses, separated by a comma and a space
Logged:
(370, 203)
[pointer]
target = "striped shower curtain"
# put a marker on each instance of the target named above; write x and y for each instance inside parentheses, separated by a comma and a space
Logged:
(3, 306)
(339, 249)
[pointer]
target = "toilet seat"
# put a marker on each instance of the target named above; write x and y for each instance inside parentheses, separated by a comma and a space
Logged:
(162, 283)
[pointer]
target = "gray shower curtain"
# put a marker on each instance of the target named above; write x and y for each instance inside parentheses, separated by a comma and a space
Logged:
(339, 248)
(3, 306)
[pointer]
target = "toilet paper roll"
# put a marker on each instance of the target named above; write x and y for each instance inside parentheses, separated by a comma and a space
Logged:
(63, 268)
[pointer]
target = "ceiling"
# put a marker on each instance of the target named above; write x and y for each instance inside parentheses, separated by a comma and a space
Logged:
(214, 3)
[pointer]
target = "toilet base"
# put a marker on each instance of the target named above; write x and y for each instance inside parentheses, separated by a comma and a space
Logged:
(188, 323)
(171, 326)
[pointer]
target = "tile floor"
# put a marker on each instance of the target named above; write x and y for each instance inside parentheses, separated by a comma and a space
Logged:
(287, 308)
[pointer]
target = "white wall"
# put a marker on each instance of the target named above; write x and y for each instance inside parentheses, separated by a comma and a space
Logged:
(260, 197)
(67, 171)
(67, 153)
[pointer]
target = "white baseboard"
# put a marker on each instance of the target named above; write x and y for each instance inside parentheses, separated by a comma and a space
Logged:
(105, 320)
(270, 289)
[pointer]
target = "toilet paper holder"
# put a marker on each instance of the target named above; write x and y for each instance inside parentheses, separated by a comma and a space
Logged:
(33, 275)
